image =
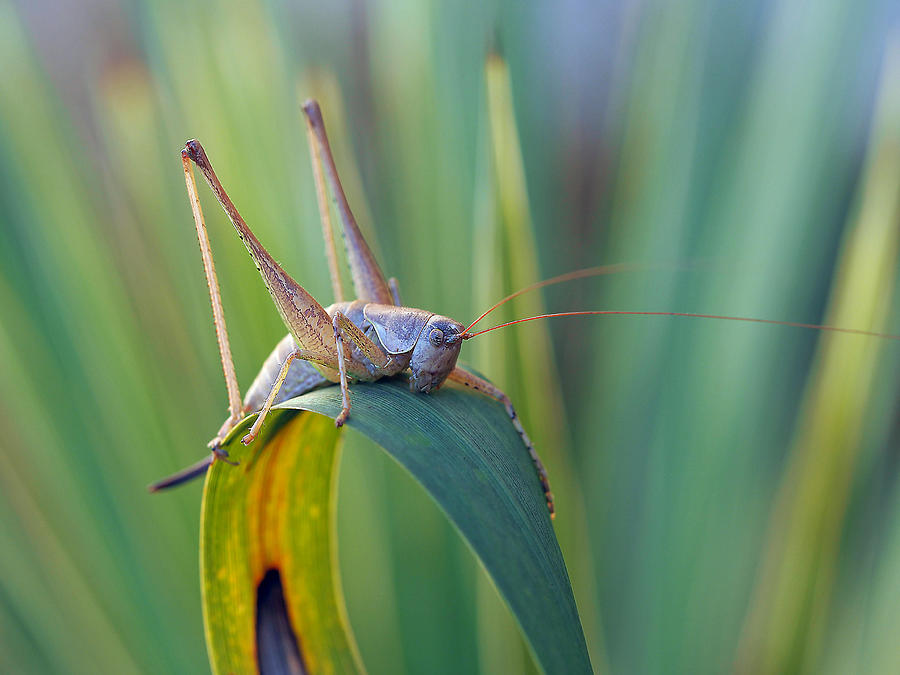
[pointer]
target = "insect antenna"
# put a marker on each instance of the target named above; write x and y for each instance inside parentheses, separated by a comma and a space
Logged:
(568, 276)
(794, 324)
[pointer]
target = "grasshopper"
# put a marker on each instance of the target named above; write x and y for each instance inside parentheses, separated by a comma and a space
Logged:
(365, 339)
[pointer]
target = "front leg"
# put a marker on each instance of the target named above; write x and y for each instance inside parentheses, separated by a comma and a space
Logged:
(342, 370)
(467, 379)
(379, 358)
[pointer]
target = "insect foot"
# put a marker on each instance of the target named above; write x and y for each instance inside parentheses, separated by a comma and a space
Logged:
(342, 418)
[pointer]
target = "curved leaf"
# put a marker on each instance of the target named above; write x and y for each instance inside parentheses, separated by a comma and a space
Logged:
(462, 448)
(266, 551)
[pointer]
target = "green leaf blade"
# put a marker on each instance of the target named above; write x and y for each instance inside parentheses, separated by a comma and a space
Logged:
(276, 511)
(463, 450)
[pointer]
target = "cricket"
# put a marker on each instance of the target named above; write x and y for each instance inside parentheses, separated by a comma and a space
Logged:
(362, 339)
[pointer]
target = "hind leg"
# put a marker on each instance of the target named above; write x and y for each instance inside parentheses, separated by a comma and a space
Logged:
(467, 379)
(215, 297)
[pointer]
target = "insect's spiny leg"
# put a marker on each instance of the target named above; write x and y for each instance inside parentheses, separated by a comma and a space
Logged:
(342, 369)
(478, 384)
(325, 215)
(538, 464)
(215, 296)
(368, 280)
(273, 392)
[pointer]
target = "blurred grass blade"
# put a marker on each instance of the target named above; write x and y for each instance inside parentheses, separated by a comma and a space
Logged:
(267, 547)
(460, 446)
(522, 359)
(790, 609)
(519, 254)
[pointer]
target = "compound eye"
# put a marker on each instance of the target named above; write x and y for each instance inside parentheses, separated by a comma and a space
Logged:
(436, 337)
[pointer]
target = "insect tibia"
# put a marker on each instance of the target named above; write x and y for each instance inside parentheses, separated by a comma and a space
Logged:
(313, 111)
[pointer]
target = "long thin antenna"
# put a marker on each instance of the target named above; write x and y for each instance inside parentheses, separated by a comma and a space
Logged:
(793, 324)
(569, 276)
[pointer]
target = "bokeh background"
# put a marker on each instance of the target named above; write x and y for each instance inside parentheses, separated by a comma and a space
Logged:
(727, 492)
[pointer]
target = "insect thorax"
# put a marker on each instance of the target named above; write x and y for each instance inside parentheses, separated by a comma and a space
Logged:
(353, 310)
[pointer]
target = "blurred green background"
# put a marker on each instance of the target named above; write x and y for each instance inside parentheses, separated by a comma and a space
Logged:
(727, 492)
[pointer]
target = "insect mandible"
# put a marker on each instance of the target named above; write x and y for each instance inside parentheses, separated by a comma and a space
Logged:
(365, 339)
